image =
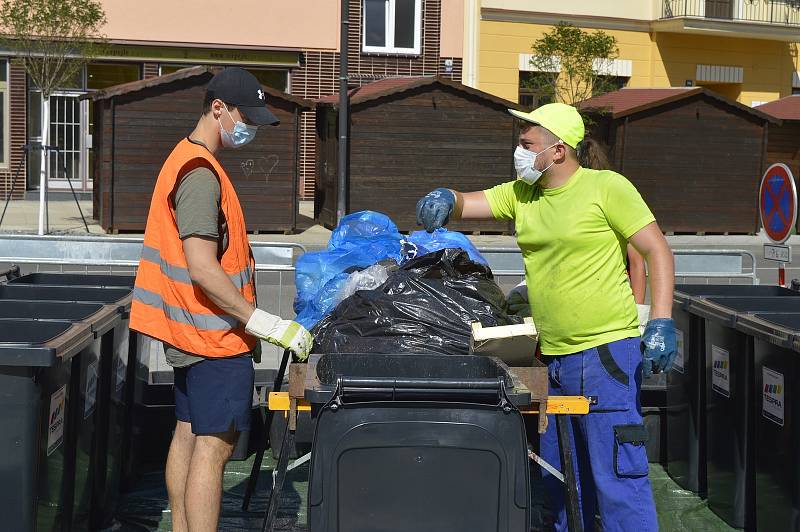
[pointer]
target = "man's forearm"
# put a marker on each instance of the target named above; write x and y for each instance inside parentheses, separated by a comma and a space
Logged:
(216, 284)
(661, 265)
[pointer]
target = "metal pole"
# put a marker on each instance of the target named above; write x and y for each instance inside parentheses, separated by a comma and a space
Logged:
(344, 116)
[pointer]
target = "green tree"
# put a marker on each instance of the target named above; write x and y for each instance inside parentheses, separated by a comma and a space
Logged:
(53, 40)
(571, 64)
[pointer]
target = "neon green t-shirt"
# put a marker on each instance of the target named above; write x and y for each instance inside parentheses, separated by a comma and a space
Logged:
(573, 240)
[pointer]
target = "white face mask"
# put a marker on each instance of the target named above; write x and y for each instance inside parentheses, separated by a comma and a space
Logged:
(242, 133)
(525, 164)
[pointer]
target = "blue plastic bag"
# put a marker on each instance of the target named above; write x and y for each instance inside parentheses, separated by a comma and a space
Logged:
(365, 228)
(361, 240)
(443, 239)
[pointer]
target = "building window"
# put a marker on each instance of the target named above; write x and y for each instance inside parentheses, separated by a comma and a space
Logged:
(274, 78)
(795, 91)
(392, 26)
(104, 75)
(536, 88)
(4, 127)
(604, 84)
(163, 70)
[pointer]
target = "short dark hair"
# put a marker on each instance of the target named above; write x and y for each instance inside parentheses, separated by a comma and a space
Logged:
(549, 136)
(208, 99)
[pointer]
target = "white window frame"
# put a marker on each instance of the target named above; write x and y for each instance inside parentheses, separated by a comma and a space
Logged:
(391, 49)
(4, 89)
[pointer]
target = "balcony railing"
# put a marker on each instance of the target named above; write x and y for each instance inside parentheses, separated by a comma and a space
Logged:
(784, 12)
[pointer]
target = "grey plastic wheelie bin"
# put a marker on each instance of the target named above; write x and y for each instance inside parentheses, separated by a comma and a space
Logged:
(104, 427)
(777, 417)
(686, 383)
(37, 401)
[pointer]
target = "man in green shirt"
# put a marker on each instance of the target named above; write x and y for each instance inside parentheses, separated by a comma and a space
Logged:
(573, 225)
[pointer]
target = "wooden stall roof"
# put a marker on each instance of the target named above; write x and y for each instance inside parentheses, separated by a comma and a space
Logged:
(628, 101)
(185, 73)
(395, 86)
(787, 108)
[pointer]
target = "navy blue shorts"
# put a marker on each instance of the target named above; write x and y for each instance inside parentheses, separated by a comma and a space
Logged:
(215, 395)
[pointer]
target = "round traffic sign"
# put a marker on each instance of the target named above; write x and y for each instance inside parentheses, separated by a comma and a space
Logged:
(777, 202)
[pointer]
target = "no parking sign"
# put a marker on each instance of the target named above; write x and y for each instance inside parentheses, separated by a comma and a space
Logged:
(777, 205)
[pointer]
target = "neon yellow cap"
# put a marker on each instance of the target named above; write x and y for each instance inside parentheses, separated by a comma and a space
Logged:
(560, 119)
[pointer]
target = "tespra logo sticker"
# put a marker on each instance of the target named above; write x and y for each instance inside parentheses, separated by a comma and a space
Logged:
(55, 422)
(720, 371)
(772, 396)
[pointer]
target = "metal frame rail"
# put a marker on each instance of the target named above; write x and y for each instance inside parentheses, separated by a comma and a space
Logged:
(289, 403)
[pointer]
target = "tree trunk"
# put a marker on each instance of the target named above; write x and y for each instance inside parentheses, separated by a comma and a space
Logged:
(44, 168)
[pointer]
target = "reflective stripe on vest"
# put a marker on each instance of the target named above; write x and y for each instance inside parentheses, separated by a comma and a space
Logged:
(211, 322)
(179, 274)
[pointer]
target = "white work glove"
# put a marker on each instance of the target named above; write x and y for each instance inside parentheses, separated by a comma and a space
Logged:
(283, 333)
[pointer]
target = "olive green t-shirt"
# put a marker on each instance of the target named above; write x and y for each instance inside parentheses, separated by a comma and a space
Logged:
(573, 240)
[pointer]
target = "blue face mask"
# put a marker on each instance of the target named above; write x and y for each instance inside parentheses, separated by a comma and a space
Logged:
(241, 134)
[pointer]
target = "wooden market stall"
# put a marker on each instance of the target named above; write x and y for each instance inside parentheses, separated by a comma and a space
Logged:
(783, 143)
(695, 156)
(409, 136)
(137, 124)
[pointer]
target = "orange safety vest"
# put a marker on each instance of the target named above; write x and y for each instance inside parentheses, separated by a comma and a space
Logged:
(166, 304)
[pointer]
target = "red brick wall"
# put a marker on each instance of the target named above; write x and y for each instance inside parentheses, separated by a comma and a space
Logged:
(318, 75)
(17, 102)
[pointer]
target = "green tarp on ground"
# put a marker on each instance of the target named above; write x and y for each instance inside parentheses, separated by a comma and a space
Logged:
(146, 508)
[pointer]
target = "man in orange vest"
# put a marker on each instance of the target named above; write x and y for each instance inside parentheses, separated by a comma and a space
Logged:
(195, 292)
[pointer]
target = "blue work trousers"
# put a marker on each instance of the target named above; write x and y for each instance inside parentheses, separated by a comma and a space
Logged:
(609, 455)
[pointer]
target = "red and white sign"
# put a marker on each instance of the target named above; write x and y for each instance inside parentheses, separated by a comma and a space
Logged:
(777, 203)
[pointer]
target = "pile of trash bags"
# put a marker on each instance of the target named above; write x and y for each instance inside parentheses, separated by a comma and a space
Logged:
(375, 290)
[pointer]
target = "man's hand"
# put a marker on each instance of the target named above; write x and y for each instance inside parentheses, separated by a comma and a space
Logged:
(283, 333)
(659, 346)
(434, 210)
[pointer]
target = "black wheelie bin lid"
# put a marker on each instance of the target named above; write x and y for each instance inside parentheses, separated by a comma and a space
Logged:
(99, 316)
(41, 343)
(409, 374)
(76, 279)
(728, 308)
(782, 330)
(119, 296)
(684, 293)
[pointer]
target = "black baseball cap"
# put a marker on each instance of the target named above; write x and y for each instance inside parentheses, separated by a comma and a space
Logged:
(239, 87)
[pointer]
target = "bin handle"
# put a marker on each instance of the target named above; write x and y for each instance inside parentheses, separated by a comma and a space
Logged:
(395, 389)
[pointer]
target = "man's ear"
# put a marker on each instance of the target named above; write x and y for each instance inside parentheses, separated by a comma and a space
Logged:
(561, 152)
(216, 108)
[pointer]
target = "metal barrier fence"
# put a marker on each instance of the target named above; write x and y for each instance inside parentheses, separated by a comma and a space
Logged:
(274, 277)
(274, 260)
(275, 268)
(691, 265)
(715, 265)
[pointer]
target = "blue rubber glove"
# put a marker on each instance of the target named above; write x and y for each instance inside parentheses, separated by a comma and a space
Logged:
(434, 210)
(659, 346)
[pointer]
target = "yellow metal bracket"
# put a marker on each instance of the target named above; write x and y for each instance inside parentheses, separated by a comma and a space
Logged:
(562, 404)
(556, 404)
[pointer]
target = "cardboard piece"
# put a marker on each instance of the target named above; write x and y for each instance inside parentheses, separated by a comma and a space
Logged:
(513, 344)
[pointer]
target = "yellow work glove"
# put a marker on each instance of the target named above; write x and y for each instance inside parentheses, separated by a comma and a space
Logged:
(283, 333)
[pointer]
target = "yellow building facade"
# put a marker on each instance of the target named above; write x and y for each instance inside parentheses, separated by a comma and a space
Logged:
(743, 49)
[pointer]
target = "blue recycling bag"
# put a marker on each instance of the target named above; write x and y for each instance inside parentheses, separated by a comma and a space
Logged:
(359, 241)
(443, 239)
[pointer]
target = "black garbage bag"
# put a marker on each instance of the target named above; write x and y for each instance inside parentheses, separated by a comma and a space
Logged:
(427, 306)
